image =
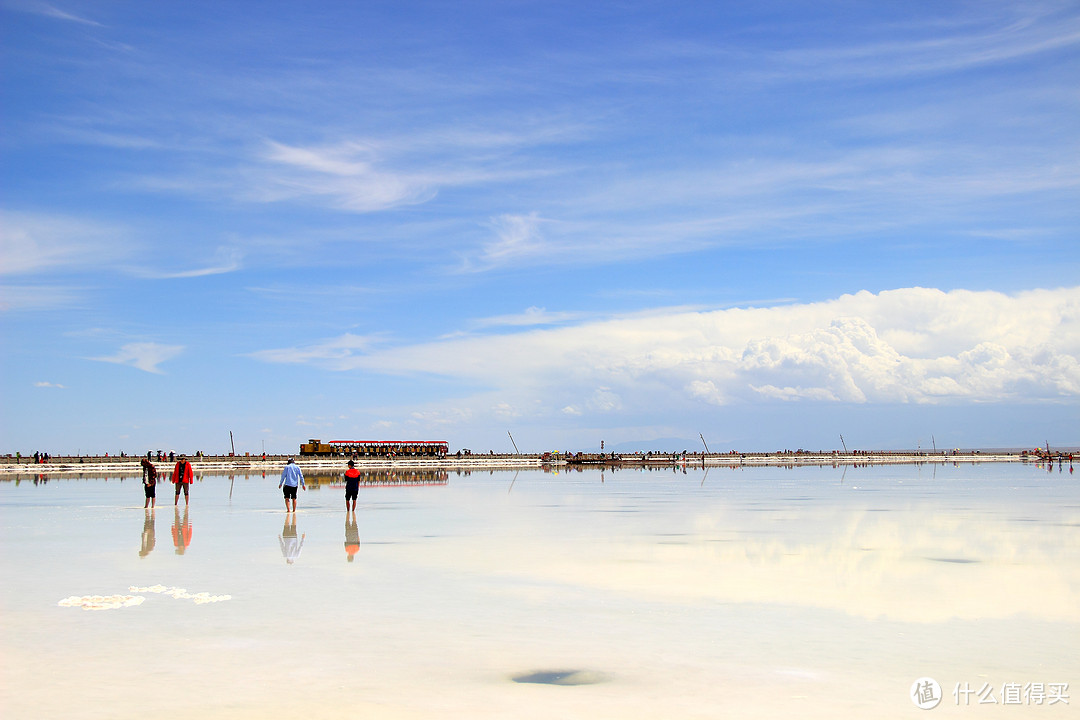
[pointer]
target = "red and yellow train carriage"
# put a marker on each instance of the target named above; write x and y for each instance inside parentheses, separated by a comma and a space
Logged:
(376, 448)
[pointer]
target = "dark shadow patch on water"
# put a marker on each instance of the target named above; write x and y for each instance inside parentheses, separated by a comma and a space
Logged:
(958, 561)
(560, 677)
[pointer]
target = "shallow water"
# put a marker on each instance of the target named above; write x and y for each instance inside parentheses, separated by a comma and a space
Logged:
(749, 592)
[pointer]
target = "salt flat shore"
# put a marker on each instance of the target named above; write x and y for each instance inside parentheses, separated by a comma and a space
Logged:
(273, 463)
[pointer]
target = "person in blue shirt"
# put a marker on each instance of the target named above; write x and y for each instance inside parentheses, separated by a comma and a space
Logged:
(291, 477)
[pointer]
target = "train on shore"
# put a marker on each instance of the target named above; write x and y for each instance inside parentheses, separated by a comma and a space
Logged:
(375, 448)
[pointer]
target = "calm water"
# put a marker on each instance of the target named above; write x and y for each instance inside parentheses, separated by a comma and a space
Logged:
(757, 592)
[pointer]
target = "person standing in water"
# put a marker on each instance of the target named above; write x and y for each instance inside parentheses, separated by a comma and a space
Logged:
(149, 479)
(291, 477)
(352, 486)
(182, 477)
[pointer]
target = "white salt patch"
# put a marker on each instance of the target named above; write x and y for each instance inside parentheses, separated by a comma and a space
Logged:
(101, 602)
(111, 602)
(181, 594)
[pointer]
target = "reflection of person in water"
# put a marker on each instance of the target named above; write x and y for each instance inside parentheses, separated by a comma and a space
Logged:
(290, 544)
(147, 534)
(181, 531)
(352, 486)
(352, 536)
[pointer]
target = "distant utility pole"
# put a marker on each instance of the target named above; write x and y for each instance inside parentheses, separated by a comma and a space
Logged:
(704, 443)
(516, 452)
(843, 443)
(231, 445)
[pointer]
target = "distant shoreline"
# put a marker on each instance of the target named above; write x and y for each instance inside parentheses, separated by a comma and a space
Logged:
(213, 464)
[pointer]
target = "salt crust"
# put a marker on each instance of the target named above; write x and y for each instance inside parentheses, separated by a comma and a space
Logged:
(101, 602)
(181, 594)
(112, 602)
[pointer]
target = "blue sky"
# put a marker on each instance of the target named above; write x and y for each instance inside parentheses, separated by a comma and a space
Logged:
(767, 223)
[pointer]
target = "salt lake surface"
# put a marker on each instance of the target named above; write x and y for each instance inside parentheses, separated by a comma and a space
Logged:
(750, 592)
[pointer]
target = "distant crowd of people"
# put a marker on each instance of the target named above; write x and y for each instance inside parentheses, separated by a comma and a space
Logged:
(159, 455)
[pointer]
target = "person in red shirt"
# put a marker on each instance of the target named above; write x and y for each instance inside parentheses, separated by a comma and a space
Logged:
(352, 486)
(182, 477)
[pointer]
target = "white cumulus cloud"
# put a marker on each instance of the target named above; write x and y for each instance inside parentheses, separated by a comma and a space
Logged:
(911, 345)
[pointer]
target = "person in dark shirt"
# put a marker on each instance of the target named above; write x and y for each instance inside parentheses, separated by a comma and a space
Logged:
(149, 479)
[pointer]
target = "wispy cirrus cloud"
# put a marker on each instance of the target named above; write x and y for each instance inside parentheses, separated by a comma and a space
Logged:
(38, 297)
(33, 242)
(333, 354)
(517, 237)
(225, 260)
(618, 208)
(45, 384)
(372, 174)
(531, 317)
(349, 176)
(51, 11)
(145, 356)
(932, 47)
